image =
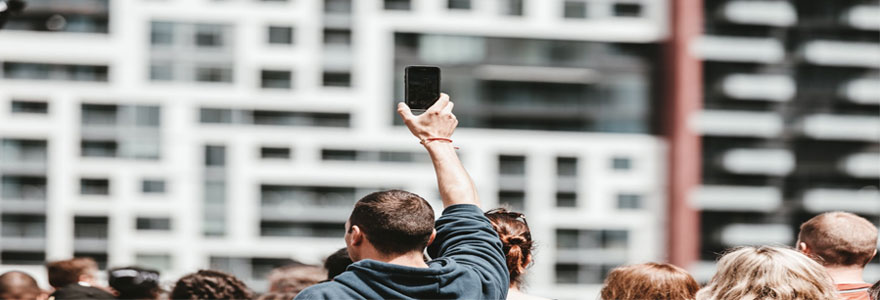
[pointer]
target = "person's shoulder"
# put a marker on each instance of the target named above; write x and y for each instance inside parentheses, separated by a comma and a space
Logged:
(324, 290)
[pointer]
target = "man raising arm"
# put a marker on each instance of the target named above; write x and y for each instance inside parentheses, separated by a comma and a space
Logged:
(388, 231)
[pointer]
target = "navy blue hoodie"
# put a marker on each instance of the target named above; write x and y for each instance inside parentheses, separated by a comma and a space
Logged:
(469, 264)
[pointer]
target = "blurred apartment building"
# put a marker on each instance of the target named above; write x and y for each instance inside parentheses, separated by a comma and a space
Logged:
(236, 134)
(790, 119)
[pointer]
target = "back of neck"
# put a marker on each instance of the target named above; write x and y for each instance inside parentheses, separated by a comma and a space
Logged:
(846, 274)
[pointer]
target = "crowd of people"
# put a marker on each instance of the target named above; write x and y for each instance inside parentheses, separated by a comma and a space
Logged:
(395, 249)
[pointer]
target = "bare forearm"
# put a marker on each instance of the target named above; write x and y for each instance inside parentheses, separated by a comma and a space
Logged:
(456, 186)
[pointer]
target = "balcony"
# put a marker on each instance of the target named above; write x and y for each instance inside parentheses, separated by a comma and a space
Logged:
(736, 198)
(840, 127)
(777, 162)
(739, 49)
(776, 88)
(863, 17)
(756, 234)
(304, 213)
(843, 54)
(862, 90)
(861, 165)
(23, 243)
(23, 206)
(866, 201)
(737, 123)
(770, 13)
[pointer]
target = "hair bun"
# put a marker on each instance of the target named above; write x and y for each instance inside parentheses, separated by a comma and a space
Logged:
(514, 240)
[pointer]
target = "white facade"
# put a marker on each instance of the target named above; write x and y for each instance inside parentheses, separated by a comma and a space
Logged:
(126, 50)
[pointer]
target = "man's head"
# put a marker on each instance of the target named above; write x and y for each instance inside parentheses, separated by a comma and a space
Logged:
(15, 285)
(389, 223)
(336, 263)
(65, 272)
(838, 239)
(210, 284)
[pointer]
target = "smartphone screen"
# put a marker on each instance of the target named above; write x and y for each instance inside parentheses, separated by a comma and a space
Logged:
(422, 86)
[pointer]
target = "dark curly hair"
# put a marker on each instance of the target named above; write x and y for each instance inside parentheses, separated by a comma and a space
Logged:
(516, 239)
(210, 284)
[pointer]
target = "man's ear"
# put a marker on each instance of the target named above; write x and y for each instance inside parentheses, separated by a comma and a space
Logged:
(357, 236)
(433, 235)
(802, 247)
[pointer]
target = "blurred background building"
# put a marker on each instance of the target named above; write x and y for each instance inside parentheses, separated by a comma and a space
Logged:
(236, 134)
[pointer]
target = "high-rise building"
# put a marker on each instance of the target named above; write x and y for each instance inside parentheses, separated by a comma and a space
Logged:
(237, 134)
(788, 124)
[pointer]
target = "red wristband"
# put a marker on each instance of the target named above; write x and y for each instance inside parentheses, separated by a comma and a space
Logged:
(428, 140)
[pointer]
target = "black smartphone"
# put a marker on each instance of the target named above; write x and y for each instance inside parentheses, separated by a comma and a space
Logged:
(422, 87)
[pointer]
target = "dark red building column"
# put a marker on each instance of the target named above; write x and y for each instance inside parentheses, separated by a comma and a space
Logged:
(684, 92)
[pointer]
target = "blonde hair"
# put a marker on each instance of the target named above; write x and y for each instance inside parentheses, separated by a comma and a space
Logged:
(649, 281)
(755, 273)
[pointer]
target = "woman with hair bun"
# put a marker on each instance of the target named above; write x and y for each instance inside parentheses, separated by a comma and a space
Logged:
(518, 247)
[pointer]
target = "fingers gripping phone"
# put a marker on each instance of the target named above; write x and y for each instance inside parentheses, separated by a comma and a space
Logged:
(422, 87)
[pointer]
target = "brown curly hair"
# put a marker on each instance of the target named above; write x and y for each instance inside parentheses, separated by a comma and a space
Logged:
(210, 284)
(516, 239)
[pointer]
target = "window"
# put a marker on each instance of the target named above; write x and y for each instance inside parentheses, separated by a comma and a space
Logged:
(575, 10)
(94, 186)
(280, 35)
(512, 7)
(153, 186)
(566, 199)
(62, 72)
(22, 226)
(511, 165)
(23, 151)
(161, 33)
(161, 71)
(215, 156)
(98, 114)
(629, 201)
(90, 227)
(98, 148)
(337, 36)
(566, 166)
(459, 4)
(275, 79)
(213, 74)
(23, 187)
(572, 273)
(209, 35)
(337, 6)
(161, 262)
(215, 115)
(144, 223)
(337, 79)
(621, 163)
(302, 229)
(591, 239)
(22, 258)
(275, 152)
(516, 200)
(335, 154)
(30, 107)
(397, 5)
(627, 9)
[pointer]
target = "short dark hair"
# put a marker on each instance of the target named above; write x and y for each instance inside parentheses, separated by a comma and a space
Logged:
(394, 221)
(337, 262)
(65, 272)
(210, 284)
(840, 239)
(134, 282)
